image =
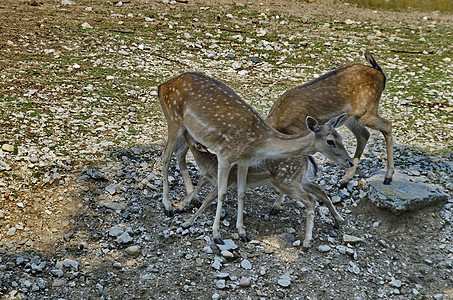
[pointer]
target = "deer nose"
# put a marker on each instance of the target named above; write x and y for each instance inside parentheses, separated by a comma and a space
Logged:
(351, 163)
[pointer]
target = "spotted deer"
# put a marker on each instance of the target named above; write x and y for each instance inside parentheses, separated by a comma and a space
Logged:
(290, 176)
(352, 88)
(218, 118)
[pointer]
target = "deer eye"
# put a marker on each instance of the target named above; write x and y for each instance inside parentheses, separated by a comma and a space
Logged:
(331, 143)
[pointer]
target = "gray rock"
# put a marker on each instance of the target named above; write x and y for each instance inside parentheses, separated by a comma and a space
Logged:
(324, 248)
(402, 195)
(111, 189)
(395, 283)
(133, 251)
(57, 272)
(223, 275)
(351, 239)
(229, 245)
(227, 254)
(124, 238)
(4, 166)
(246, 264)
(72, 264)
(220, 284)
(116, 231)
(284, 281)
(245, 282)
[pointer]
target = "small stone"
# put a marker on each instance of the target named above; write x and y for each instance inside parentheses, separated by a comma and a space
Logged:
(57, 272)
(111, 189)
(124, 238)
(395, 283)
(72, 264)
(223, 275)
(245, 282)
(20, 260)
(229, 245)
(11, 231)
(284, 281)
(207, 250)
(227, 254)
(351, 239)
(133, 251)
(220, 284)
(117, 265)
(8, 148)
(116, 231)
(246, 264)
(324, 248)
(86, 25)
(58, 282)
(439, 297)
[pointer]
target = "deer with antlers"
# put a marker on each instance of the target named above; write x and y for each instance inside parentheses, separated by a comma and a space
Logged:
(218, 118)
(291, 176)
(352, 88)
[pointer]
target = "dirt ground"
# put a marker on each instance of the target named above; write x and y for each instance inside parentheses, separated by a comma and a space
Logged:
(53, 214)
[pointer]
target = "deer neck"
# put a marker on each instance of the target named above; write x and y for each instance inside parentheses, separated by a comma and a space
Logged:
(283, 145)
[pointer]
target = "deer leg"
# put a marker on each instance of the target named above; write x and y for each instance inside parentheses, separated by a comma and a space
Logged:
(295, 191)
(208, 200)
(241, 185)
(277, 206)
(166, 155)
(222, 184)
(181, 157)
(321, 194)
(362, 135)
(385, 127)
(182, 205)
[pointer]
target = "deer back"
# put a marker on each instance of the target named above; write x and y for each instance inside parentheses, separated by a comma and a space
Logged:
(351, 88)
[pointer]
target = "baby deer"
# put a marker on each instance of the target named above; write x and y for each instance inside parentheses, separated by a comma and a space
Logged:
(291, 176)
(219, 119)
(351, 88)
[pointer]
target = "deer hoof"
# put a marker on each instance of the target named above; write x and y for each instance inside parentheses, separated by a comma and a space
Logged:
(244, 238)
(168, 213)
(387, 181)
(219, 241)
(305, 249)
(343, 185)
(274, 211)
(178, 211)
(184, 226)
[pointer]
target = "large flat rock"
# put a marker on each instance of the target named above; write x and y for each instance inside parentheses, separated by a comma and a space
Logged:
(403, 194)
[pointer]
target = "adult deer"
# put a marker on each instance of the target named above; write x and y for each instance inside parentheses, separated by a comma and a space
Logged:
(291, 176)
(219, 119)
(351, 88)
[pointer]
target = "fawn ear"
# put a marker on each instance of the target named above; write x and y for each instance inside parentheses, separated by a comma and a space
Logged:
(199, 147)
(336, 121)
(312, 124)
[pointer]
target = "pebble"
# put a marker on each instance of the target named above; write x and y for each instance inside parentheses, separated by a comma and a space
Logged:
(395, 283)
(246, 264)
(124, 238)
(324, 248)
(351, 239)
(284, 281)
(116, 231)
(133, 251)
(227, 254)
(245, 282)
(72, 264)
(8, 148)
(220, 284)
(229, 245)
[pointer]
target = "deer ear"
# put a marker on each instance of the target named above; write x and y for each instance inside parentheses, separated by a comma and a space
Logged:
(312, 124)
(200, 147)
(336, 121)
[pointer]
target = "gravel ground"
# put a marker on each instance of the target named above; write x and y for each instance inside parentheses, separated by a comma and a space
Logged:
(81, 131)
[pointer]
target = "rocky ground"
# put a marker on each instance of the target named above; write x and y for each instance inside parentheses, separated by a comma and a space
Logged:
(81, 131)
